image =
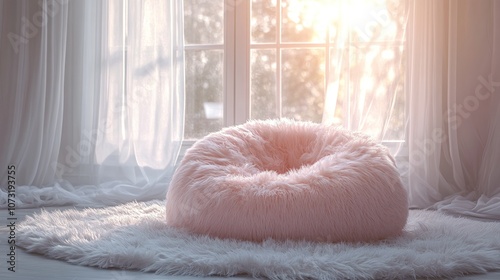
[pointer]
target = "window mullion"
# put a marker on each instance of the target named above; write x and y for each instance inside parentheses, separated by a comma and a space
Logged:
(279, 107)
(229, 63)
(242, 62)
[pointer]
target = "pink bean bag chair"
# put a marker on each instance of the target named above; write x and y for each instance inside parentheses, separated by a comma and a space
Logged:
(284, 179)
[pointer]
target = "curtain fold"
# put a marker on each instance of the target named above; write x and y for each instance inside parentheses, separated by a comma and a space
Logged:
(427, 83)
(92, 99)
(33, 51)
(366, 86)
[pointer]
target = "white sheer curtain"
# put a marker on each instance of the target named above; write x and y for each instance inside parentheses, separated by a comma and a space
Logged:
(423, 77)
(365, 88)
(454, 113)
(92, 99)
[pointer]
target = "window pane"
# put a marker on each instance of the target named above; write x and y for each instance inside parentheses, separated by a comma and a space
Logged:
(204, 92)
(304, 21)
(204, 21)
(263, 21)
(303, 72)
(263, 84)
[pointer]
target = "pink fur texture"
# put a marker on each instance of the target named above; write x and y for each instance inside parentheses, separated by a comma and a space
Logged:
(284, 179)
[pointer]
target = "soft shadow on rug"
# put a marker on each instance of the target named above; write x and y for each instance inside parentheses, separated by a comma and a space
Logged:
(135, 236)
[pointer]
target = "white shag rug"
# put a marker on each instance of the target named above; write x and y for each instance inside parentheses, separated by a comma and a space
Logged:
(135, 236)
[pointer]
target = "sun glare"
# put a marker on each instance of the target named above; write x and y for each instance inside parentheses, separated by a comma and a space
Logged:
(321, 15)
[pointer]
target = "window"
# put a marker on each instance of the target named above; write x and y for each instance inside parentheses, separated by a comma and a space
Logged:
(261, 59)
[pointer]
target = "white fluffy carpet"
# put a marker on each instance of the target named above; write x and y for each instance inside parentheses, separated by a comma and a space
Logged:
(135, 236)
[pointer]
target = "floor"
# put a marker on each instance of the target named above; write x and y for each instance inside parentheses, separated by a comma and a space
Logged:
(30, 266)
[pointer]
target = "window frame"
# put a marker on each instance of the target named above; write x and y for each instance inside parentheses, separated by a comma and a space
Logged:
(237, 46)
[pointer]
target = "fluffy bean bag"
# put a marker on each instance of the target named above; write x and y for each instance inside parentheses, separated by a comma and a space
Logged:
(284, 179)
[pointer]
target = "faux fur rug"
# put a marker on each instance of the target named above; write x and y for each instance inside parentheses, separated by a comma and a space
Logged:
(135, 236)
